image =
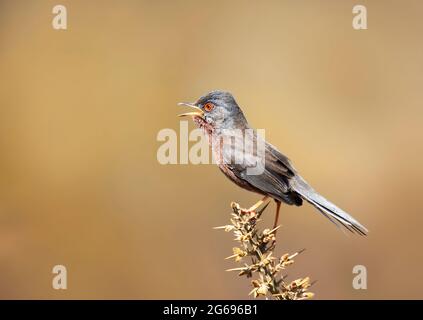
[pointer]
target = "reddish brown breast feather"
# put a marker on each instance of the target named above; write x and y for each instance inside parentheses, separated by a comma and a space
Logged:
(201, 123)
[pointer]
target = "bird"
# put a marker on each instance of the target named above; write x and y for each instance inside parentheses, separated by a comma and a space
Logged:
(219, 116)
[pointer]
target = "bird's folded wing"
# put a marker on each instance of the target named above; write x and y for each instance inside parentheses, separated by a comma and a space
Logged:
(278, 163)
(273, 179)
(276, 169)
(266, 182)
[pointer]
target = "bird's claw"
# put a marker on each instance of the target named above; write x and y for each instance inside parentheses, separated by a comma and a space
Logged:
(237, 209)
(247, 211)
(235, 206)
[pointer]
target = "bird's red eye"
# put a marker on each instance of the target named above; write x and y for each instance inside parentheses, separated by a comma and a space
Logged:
(209, 106)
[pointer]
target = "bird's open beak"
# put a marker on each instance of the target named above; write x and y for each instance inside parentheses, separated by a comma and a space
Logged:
(198, 112)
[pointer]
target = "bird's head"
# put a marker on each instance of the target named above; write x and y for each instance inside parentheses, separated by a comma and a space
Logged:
(216, 110)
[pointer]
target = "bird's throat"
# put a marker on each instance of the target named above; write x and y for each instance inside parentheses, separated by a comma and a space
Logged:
(203, 124)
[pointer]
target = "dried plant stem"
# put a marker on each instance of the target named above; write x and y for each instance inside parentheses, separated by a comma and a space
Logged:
(259, 246)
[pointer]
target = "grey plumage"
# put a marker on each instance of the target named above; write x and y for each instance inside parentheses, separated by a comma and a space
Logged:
(279, 179)
(327, 208)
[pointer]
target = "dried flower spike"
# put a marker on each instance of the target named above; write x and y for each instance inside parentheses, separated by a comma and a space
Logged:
(259, 247)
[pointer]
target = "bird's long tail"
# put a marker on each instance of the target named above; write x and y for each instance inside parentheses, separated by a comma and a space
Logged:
(327, 208)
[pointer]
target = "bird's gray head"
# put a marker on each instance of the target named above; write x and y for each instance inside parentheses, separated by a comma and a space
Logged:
(217, 110)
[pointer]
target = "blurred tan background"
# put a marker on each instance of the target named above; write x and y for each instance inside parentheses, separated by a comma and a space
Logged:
(80, 111)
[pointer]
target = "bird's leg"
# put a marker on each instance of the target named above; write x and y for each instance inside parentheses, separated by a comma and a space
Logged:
(275, 224)
(255, 206)
(278, 207)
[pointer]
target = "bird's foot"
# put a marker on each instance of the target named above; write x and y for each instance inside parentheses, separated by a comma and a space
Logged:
(236, 207)
(247, 211)
(252, 210)
(245, 214)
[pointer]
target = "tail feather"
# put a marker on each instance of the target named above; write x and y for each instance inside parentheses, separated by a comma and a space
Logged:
(327, 208)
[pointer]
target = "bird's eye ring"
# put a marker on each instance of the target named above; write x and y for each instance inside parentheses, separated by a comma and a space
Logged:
(209, 106)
